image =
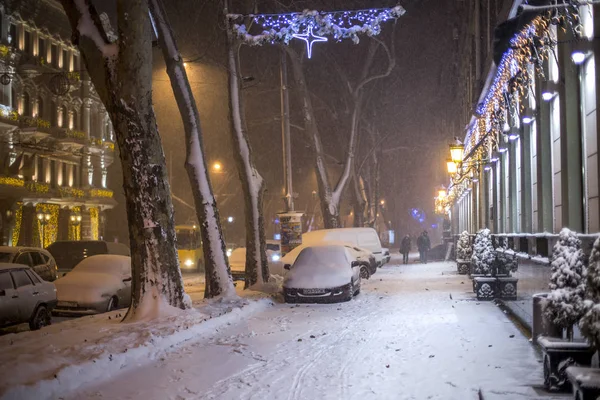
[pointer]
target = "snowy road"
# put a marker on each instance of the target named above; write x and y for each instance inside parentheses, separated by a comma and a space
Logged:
(414, 332)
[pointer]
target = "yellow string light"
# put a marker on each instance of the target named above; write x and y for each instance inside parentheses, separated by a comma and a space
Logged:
(18, 219)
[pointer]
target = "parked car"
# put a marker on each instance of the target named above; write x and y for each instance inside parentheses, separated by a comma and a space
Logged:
(320, 274)
(25, 297)
(69, 253)
(368, 267)
(274, 250)
(386, 255)
(237, 263)
(40, 260)
(365, 238)
(97, 284)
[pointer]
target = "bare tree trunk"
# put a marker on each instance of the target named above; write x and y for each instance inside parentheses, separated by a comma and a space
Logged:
(218, 274)
(122, 75)
(257, 267)
(331, 198)
(329, 210)
(359, 201)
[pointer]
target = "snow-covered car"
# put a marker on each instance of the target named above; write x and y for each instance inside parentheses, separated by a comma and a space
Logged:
(367, 268)
(274, 250)
(25, 297)
(40, 260)
(69, 253)
(237, 263)
(386, 255)
(97, 284)
(320, 274)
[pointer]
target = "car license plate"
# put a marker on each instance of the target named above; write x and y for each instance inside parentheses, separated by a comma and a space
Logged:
(66, 304)
(314, 291)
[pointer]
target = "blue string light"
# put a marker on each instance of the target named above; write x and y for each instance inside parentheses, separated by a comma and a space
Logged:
(313, 26)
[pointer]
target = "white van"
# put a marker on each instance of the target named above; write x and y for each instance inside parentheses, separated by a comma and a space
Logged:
(366, 238)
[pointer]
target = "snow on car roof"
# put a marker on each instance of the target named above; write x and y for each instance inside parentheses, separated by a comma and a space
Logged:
(15, 249)
(6, 266)
(105, 263)
(335, 254)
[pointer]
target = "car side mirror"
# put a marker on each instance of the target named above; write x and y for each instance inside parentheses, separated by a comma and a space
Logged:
(287, 267)
(127, 279)
(2, 292)
(355, 264)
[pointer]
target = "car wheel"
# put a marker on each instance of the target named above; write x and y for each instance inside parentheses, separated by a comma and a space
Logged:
(364, 273)
(41, 317)
(112, 304)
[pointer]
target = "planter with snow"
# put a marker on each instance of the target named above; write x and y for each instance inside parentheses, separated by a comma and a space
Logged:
(464, 251)
(463, 266)
(485, 287)
(559, 354)
(506, 288)
(585, 382)
(484, 255)
(505, 264)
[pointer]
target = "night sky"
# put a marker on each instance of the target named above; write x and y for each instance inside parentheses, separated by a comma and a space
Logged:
(416, 108)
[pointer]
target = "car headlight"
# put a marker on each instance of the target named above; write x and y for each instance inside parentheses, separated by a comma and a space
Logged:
(229, 252)
(189, 263)
(275, 257)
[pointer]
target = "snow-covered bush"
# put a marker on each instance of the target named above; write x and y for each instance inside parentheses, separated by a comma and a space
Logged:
(590, 322)
(483, 253)
(463, 247)
(564, 305)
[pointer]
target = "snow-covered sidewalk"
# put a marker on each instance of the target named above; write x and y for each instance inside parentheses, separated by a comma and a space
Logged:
(61, 358)
(415, 332)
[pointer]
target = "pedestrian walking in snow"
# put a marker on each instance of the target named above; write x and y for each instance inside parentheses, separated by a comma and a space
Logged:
(423, 244)
(405, 248)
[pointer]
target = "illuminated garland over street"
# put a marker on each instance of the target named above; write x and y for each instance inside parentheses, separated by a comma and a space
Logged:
(312, 26)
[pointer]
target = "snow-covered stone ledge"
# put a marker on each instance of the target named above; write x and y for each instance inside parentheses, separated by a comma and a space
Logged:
(58, 359)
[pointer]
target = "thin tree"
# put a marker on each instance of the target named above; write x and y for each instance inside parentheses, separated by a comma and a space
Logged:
(217, 271)
(253, 186)
(331, 195)
(121, 72)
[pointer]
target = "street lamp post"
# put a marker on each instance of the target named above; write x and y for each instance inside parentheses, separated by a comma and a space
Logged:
(44, 218)
(75, 222)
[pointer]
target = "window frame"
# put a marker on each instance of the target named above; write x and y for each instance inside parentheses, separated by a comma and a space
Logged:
(13, 274)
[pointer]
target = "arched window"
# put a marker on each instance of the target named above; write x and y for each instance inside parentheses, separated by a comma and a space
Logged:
(26, 104)
(40, 108)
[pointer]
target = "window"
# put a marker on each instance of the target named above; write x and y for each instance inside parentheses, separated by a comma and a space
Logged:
(26, 104)
(42, 48)
(13, 35)
(27, 44)
(37, 259)
(40, 108)
(54, 55)
(64, 117)
(21, 279)
(34, 278)
(6, 281)
(75, 120)
(24, 259)
(65, 60)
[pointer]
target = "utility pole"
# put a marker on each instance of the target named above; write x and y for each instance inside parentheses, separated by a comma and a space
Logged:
(285, 134)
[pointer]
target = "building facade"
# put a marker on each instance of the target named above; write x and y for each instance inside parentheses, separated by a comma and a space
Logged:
(56, 140)
(530, 162)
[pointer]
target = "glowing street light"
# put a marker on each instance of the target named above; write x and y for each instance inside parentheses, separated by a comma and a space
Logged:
(382, 202)
(217, 167)
(230, 219)
(456, 151)
(452, 168)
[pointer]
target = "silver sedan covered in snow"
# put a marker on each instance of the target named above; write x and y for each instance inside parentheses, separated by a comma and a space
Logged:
(97, 284)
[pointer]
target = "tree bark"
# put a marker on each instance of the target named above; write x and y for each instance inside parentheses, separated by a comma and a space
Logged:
(216, 264)
(257, 267)
(122, 75)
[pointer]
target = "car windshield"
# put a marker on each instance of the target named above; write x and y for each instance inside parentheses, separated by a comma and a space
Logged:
(187, 239)
(6, 257)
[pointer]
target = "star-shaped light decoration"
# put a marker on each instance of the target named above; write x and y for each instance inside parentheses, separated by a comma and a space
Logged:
(310, 39)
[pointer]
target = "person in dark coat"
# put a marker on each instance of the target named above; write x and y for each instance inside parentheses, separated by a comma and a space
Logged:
(423, 244)
(405, 248)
